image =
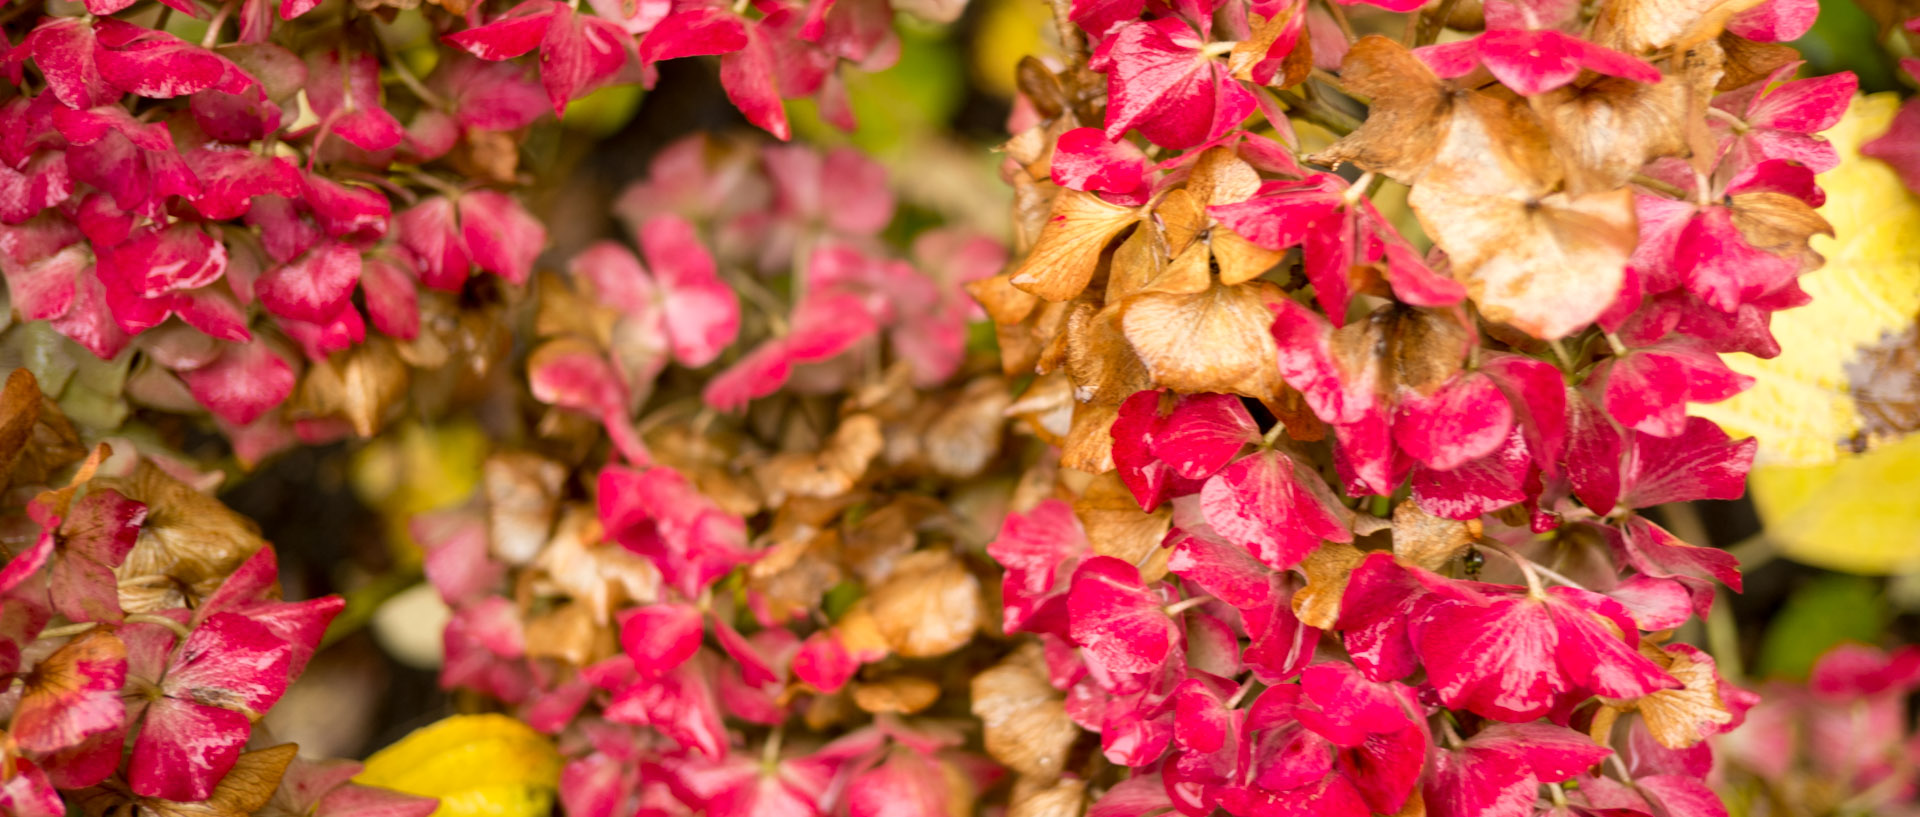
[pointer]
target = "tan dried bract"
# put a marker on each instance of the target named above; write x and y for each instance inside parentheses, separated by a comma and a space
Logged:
(1212, 341)
(602, 575)
(1430, 541)
(1546, 265)
(1025, 718)
(189, 539)
(899, 694)
(829, 472)
(1640, 26)
(1328, 568)
(523, 493)
(1117, 527)
(1064, 258)
(929, 606)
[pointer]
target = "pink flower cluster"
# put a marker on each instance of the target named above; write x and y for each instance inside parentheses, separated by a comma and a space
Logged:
(145, 178)
(156, 704)
(677, 720)
(1517, 397)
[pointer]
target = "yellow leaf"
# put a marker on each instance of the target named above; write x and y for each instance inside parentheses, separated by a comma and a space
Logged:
(1855, 515)
(1822, 505)
(478, 765)
(1802, 406)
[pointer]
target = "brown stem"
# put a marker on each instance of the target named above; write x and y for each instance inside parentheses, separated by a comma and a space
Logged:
(1320, 113)
(1430, 28)
(1339, 15)
(1071, 37)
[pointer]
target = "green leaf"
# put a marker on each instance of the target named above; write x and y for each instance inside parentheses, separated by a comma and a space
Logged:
(1832, 609)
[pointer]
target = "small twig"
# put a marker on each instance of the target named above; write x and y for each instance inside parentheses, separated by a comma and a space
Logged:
(1187, 604)
(1658, 186)
(65, 630)
(212, 36)
(1326, 116)
(1071, 37)
(177, 628)
(1428, 34)
(1533, 570)
(1339, 15)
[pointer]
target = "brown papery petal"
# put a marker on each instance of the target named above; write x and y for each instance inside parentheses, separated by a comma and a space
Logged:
(929, 606)
(1675, 717)
(19, 411)
(900, 695)
(1004, 303)
(1078, 229)
(1207, 341)
(189, 537)
(1089, 445)
(1117, 527)
(1221, 177)
(1607, 130)
(1548, 266)
(1047, 408)
(1024, 717)
(1408, 118)
(965, 437)
(1101, 363)
(1777, 222)
(1430, 541)
(831, 471)
(523, 494)
(1240, 260)
(1184, 216)
(1328, 568)
(1639, 26)
(1062, 798)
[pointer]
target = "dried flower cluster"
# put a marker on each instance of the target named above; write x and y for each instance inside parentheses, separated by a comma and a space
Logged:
(142, 625)
(735, 609)
(1363, 532)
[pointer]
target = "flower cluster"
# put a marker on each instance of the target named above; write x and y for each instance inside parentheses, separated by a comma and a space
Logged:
(740, 603)
(1843, 741)
(309, 210)
(145, 632)
(1366, 530)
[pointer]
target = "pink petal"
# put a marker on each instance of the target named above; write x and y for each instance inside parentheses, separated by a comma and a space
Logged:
(247, 381)
(580, 53)
(702, 313)
(661, 637)
(314, 287)
(1776, 21)
(1465, 419)
(1084, 159)
(502, 237)
(184, 749)
(1221, 568)
(1274, 507)
(823, 662)
(1701, 462)
(511, 34)
(1203, 432)
(1117, 620)
(1159, 84)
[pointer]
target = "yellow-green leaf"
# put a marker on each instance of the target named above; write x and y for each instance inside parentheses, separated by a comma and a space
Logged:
(478, 765)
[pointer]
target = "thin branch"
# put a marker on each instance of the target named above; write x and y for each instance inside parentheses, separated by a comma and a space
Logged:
(1320, 113)
(1339, 16)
